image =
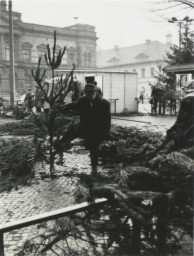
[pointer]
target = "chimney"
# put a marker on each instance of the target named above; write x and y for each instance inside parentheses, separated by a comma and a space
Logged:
(169, 39)
(148, 41)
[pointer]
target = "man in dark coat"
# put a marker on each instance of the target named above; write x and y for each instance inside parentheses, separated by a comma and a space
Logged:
(95, 119)
(29, 100)
(39, 99)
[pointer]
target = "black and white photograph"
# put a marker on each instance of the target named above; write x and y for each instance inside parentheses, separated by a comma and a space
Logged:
(96, 127)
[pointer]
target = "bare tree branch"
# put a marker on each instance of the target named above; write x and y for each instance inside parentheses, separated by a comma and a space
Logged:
(166, 8)
(184, 2)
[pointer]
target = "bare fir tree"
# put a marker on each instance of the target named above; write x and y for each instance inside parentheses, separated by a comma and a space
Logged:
(52, 123)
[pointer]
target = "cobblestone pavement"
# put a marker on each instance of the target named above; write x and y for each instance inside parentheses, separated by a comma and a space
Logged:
(51, 194)
(42, 196)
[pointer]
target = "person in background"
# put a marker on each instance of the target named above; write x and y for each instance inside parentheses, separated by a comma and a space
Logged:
(29, 100)
(39, 99)
(95, 120)
(98, 90)
(141, 97)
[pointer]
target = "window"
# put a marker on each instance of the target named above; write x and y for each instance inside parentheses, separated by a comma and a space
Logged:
(28, 80)
(142, 56)
(87, 59)
(113, 60)
(183, 80)
(7, 52)
(41, 52)
(26, 55)
(58, 48)
(71, 58)
(143, 72)
(71, 55)
(152, 72)
(26, 52)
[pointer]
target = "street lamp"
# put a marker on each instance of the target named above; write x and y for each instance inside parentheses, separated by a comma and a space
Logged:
(180, 25)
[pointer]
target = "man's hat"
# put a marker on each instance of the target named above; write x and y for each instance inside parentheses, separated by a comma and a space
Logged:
(90, 87)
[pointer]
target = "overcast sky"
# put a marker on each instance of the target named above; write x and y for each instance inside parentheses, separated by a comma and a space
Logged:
(118, 22)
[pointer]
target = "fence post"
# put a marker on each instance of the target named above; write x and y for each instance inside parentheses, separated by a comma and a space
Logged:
(1, 245)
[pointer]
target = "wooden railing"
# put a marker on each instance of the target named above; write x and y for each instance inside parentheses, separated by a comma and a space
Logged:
(25, 222)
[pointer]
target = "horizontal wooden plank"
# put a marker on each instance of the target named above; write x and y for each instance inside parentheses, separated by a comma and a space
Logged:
(25, 222)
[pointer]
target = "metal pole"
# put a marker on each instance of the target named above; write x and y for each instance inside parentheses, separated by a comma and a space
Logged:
(180, 35)
(11, 54)
(124, 92)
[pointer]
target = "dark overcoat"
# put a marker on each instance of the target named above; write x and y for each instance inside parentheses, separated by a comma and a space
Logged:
(95, 118)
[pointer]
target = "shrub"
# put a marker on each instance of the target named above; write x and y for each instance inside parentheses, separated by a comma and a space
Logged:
(17, 156)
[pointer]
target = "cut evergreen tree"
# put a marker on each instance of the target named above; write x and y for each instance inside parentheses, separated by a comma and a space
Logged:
(53, 124)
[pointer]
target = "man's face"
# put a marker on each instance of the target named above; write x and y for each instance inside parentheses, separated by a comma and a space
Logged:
(90, 94)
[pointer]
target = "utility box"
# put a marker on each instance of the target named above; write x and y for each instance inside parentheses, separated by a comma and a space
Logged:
(119, 88)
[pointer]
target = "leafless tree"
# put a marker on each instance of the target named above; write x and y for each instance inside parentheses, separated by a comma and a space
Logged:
(188, 3)
(164, 8)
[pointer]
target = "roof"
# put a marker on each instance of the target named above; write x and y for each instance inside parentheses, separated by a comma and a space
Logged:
(84, 30)
(180, 68)
(146, 52)
(95, 71)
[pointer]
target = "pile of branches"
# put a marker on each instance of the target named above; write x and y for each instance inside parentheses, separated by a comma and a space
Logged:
(21, 128)
(129, 146)
(17, 157)
(149, 211)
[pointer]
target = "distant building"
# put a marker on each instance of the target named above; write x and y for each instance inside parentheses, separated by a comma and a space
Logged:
(146, 59)
(30, 42)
